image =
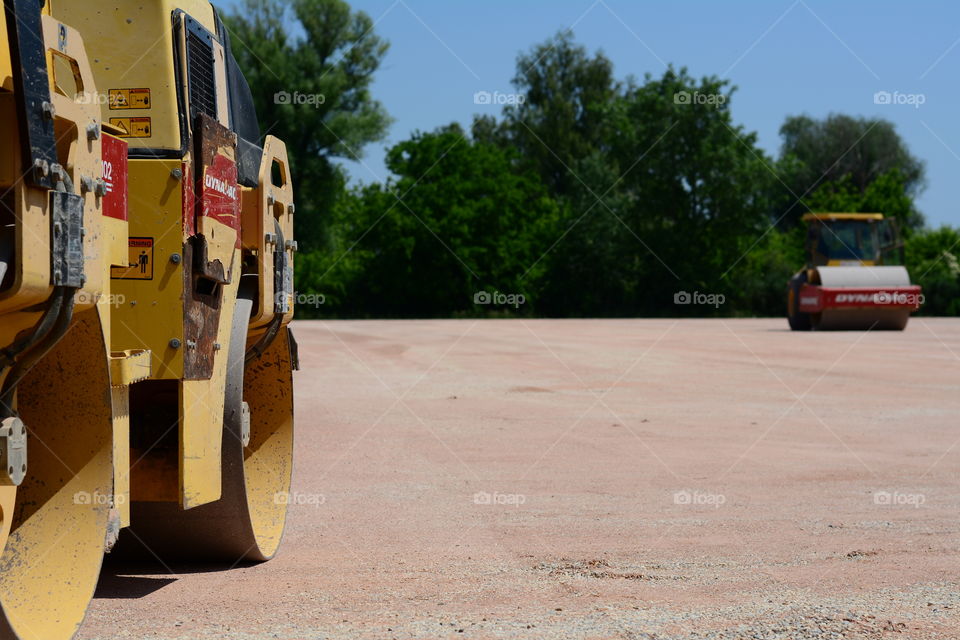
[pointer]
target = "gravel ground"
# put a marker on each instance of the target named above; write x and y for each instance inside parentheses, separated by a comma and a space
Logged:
(637, 479)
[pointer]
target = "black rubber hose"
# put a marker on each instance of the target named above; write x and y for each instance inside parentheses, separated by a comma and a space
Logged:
(40, 331)
(32, 357)
(265, 340)
(53, 325)
(8, 354)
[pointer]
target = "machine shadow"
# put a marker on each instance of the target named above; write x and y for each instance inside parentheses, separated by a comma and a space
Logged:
(128, 579)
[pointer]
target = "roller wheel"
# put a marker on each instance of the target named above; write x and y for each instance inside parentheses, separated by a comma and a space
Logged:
(55, 522)
(798, 320)
(246, 524)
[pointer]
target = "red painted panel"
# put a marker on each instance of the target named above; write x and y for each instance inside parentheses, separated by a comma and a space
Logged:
(220, 193)
(114, 174)
(814, 298)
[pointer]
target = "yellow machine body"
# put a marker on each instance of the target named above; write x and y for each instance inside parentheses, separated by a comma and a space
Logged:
(146, 251)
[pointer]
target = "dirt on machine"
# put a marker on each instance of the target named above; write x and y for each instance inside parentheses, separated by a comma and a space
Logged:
(146, 261)
(854, 277)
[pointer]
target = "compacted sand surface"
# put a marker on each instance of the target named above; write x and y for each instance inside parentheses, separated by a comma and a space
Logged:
(597, 479)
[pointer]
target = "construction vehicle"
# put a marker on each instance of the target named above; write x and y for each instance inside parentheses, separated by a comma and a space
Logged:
(146, 252)
(854, 278)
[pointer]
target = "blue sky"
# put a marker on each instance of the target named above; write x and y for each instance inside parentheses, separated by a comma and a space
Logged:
(786, 56)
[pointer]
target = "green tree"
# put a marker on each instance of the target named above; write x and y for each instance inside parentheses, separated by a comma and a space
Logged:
(841, 148)
(760, 278)
(326, 72)
(562, 118)
(886, 194)
(668, 198)
(460, 217)
(933, 258)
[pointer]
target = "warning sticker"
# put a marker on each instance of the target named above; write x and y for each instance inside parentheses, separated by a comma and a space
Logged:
(139, 262)
(129, 98)
(132, 127)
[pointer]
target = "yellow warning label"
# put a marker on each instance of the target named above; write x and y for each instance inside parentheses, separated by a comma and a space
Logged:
(132, 127)
(129, 98)
(139, 262)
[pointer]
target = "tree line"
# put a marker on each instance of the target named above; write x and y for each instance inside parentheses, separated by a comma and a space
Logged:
(592, 195)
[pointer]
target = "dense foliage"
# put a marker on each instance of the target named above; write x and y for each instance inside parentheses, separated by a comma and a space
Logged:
(313, 92)
(592, 197)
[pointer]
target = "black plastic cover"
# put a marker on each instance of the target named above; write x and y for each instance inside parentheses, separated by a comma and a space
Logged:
(243, 116)
(32, 85)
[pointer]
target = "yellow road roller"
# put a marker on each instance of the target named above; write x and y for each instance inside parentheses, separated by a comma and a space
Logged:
(854, 278)
(146, 261)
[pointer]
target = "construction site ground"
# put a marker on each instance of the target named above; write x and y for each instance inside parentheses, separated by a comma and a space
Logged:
(637, 479)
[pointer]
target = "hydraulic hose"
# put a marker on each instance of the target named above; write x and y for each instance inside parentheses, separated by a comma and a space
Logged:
(32, 357)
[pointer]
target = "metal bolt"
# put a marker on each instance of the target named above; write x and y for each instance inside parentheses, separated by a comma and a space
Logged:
(191, 344)
(271, 238)
(176, 174)
(175, 258)
(101, 189)
(216, 346)
(174, 343)
(87, 184)
(291, 208)
(42, 167)
(270, 200)
(48, 110)
(291, 244)
(93, 131)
